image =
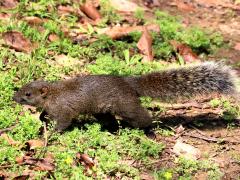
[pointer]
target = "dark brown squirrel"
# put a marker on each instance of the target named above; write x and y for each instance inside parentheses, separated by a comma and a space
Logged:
(106, 95)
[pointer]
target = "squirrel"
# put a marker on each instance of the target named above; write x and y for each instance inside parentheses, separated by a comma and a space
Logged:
(107, 95)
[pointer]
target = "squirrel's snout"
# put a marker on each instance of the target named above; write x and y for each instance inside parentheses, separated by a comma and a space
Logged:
(15, 98)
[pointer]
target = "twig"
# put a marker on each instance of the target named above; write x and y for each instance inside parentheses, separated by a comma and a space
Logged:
(6, 166)
(9, 128)
(210, 139)
(45, 134)
(202, 137)
(198, 130)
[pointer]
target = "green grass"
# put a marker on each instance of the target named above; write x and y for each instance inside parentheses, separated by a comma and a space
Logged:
(187, 167)
(104, 56)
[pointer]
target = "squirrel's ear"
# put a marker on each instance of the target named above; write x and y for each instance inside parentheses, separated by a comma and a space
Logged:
(44, 91)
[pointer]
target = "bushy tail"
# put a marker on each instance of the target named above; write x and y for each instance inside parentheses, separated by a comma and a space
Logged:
(204, 78)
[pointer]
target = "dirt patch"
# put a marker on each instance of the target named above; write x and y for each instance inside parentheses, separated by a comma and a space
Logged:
(221, 16)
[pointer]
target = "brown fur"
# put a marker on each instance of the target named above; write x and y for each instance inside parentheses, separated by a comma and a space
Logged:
(107, 95)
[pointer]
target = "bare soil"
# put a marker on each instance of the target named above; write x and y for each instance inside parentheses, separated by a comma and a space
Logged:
(222, 16)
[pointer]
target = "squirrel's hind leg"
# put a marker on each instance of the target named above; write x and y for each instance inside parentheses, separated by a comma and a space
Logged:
(135, 115)
(108, 121)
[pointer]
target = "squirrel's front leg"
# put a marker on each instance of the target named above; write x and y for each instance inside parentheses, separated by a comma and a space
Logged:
(63, 120)
(62, 124)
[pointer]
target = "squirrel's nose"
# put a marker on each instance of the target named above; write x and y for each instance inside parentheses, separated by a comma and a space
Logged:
(14, 98)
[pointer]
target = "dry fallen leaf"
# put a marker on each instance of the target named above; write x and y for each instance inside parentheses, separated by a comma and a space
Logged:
(95, 3)
(145, 46)
(43, 164)
(237, 46)
(221, 3)
(19, 160)
(119, 31)
(53, 37)
(25, 175)
(4, 16)
(21, 177)
(185, 51)
(87, 161)
(34, 143)
(186, 150)
(146, 176)
(89, 9)
(49, 157)
(8, 4)
(3, 175)
(9, 139)
(17, 41)
(65, 10)
(153, 27)
(179, 129)
(85, 21)
(82, 38)
(184, 6)
(32, 20)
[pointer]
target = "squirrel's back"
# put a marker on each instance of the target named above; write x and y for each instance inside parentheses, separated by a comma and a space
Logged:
(204, 78)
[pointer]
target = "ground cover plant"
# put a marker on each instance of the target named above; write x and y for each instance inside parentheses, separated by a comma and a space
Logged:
(51, 40)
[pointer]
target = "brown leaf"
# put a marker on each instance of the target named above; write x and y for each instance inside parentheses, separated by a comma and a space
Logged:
(34, 143)
(119, 31)
(8, 4)
(2, 175)
(49, 157)
(21, 177)
(89, 9)
(65, 10)
(184, 6)
(4, 16)
(216, 3)
(17, 41)
(179, 129)
(86, 21)
(145, 46)
(185, 51)
(24, 175)
(153, 27)
(44, 164)
(19, 160)
(82, 38)
(32, 20)
(86, 160)
(9, 139)
(95, 3)
(237, 46)
(53, 37)
(146, 176)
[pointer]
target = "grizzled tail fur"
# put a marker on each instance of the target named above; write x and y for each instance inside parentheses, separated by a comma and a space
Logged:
(201, 79)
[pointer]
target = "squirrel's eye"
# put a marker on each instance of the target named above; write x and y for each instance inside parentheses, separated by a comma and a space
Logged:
(28, 94)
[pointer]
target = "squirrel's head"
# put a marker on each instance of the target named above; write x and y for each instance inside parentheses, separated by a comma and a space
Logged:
(32, 93)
